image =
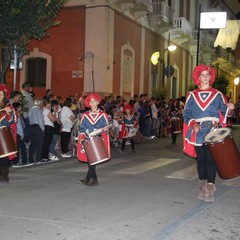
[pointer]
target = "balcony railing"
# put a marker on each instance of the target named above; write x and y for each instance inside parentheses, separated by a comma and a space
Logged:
(162, 10)
(182, 26)
(140, 5)
(162, 14)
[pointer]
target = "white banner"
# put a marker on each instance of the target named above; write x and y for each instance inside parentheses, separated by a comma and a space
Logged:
(228, 37)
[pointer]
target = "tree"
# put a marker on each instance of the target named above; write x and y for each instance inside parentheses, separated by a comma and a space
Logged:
(20, 21)
(159, 92)
(221, 84)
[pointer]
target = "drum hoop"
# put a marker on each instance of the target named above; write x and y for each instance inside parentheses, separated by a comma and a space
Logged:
(91, 137)
(98, 162)
(8, 154)
(132, 132)
(218, 140)
(5, 128)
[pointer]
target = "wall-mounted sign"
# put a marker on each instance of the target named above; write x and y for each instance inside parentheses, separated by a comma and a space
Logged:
(77, 74)
(213, 20)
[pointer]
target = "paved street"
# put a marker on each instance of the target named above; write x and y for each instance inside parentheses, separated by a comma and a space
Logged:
(148, 195)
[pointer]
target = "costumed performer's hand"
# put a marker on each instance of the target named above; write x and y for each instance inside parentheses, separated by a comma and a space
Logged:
(106, 129)
(8, 110)
(231, 106)
(81, 138)
(196, 128)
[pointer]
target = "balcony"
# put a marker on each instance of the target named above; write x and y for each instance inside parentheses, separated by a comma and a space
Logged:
(136, 9)
(182, 27)
(162, 16)
(182, 31)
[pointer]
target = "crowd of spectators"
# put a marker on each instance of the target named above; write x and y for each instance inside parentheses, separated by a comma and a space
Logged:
(49, 127)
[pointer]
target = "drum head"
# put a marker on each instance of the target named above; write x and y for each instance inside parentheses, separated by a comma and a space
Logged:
(132, 132)
(217, 135)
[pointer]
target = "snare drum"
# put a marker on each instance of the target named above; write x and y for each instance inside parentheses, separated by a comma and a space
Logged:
(176, 126)
(95, 150)
(224, 152)
(137, 138)
(132, 132)
(7, 144)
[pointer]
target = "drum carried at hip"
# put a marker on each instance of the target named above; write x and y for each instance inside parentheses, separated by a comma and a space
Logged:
(135, 135)
(176, 126)
(95, 150)
(7, 144)
(224, 151)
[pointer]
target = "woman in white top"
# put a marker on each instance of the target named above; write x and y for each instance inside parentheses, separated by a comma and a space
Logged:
(67, 118)
(49, 119)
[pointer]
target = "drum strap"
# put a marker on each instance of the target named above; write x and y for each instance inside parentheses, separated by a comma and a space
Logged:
(207, 124)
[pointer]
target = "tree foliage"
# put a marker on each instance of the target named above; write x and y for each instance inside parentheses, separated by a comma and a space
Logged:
(159, 92)
(23, 20)
(221, 84)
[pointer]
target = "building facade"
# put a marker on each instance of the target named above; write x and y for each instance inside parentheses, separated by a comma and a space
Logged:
(105, 46)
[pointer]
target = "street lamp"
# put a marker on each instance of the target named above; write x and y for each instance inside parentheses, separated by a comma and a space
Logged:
(169, 69)
(236, 82)
(155, 59)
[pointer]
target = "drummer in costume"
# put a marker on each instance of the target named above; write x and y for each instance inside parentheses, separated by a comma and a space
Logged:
(129, 124)
(205, 108)
(7, 119)
(91, 121)
(175, 116)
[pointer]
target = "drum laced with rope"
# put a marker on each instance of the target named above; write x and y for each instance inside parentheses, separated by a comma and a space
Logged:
(176, 126)
(7, 144)
(75, 133)
(93, 147)
(224, 151)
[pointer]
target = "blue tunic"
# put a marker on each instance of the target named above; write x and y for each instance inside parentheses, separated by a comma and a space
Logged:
(91, 121)
(205, 107)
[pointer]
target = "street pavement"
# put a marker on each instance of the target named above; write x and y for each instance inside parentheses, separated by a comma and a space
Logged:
(146, 195)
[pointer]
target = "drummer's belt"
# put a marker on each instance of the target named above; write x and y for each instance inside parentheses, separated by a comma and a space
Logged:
(208, 121)
(208, 124)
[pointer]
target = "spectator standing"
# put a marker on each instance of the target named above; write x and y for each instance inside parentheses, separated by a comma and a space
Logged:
(56, 132)
(67, 118)
(20, 138)
(26, 87)
(15, 97)
(109, 102)
(49, 119)
(36, 130)
(154, 111)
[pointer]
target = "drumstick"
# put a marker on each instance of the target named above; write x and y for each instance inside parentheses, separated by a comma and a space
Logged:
(225, 118)
(93, 133)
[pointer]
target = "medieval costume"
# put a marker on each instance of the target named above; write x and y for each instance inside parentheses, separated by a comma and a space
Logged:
(204, 110)
(7, 119)
(92, 120)
(128, 127)
(175, 119)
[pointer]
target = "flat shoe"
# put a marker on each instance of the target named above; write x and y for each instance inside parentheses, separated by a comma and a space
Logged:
(83, 181)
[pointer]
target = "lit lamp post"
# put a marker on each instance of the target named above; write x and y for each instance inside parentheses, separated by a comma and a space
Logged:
(155, 59)
(168, 71)
(236, 82)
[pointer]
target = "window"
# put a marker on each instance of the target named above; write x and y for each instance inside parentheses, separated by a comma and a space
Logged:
(36, 71)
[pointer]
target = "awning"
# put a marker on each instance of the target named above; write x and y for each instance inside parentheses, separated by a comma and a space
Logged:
(228, 37)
